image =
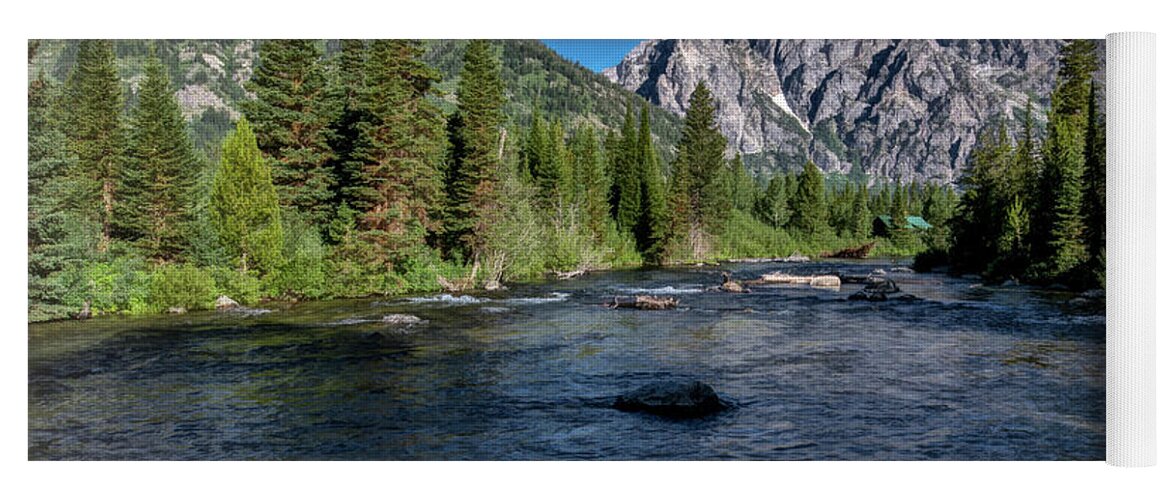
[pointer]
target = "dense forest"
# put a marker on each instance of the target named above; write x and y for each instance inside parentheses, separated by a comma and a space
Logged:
(1033, 208)
(348, 174)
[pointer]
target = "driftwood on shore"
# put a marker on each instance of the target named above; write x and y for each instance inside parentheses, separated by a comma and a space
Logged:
(794, 257)
(643, 302)
(860, 252)
(460, 284)
(566, 275)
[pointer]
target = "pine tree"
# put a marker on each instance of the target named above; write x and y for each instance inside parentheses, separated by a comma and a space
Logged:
(56, 240)
(347, 87)
(809, 210)
(1064, 228)
(978, 223)
(701, 156)
(558, 174)
(96, 135)
(591, 175)
(292, 115)
(478, 130)
(402, 152)
(773, 207)
(156, 199)
(744, 189)
(548, 164)
(1094, 206)
(863, 221)
(652, 225)
(243, 207)
(1058, 241)
(628, 175)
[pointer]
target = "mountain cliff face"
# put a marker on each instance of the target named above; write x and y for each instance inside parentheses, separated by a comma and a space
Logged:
(905, 109)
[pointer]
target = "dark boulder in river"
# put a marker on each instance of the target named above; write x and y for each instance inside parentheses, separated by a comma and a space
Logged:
(876, 289)
(673, 399)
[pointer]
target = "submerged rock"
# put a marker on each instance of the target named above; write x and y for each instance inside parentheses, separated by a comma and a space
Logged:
(673, 399)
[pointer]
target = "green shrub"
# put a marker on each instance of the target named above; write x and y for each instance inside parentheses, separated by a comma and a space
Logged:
(351, 272)
(117, 285)
(241, 287)
(302, 271)
(420, 270)
(183, 286)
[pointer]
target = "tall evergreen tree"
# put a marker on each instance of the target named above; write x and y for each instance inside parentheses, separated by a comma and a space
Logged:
(156, 199)
(1094, 206)
(701, 156)
(96, 135)
(591, 175)
(402, 151)
(292, 115)
(979, 224)
(773, 207)
(475, 171)
(743, 187)
(347, 87)
(628, 175)
(863, 221)
(56, 240)
(652, 224)
(809, 210)
(1058, 241)
(244, 208)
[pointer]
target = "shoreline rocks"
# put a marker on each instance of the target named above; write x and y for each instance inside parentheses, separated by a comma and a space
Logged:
(225, 303)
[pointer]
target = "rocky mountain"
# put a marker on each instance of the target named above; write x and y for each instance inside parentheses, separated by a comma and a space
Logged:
(208, 75)
(906, 109)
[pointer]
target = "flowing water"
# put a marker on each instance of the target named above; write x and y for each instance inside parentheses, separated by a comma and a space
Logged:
(969, 373)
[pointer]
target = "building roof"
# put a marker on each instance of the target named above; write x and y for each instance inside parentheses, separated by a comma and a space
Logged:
(911, 222)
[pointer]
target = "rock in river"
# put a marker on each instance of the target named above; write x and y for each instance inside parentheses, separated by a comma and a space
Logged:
(223, 303)
(401, 319)
(673, 399)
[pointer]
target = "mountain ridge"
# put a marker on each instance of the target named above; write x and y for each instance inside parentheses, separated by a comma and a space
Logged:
(891, 109)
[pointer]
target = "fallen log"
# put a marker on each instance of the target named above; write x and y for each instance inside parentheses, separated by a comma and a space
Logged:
(780, 278)
(643, 302)
(851, 253)
(829, 281)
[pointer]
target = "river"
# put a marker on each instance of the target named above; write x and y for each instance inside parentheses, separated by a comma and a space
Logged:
(969, 373)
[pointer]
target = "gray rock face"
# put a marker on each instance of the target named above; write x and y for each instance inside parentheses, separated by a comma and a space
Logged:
(673, 399)
(906, 109)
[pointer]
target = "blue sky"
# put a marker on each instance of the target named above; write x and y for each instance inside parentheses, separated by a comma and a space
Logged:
(593, 54)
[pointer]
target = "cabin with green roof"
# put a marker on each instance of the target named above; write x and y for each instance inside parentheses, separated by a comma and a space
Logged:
(884, 224)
